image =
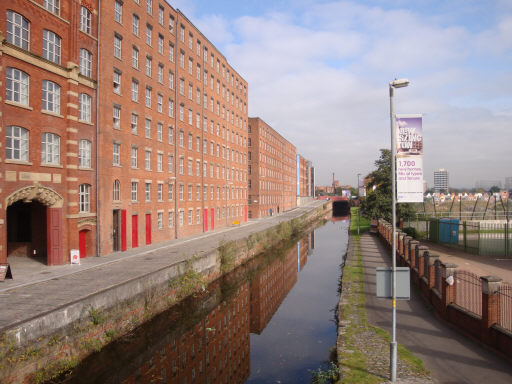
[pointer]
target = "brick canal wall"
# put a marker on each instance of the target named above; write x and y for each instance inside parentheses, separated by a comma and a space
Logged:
(478, 306)
(49, 344)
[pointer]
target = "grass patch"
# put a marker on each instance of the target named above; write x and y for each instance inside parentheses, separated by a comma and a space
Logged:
(354, 358)
(364, 223)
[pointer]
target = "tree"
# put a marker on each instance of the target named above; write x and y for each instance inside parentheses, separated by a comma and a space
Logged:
(377, 204)
(494, 189)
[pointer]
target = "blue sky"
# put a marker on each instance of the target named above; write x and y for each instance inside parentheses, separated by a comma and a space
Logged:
(318, 73)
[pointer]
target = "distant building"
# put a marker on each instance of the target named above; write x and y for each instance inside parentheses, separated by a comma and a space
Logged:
(441, 181)
(508, 183)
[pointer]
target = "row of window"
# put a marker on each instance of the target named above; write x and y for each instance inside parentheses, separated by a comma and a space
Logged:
(17, 147)
(17, 90)
(216, 193)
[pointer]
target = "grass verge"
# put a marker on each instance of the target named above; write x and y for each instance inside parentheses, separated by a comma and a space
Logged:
(355, 216)
(363, 349)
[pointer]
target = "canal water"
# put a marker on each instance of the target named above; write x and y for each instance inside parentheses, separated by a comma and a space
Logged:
(269, 321)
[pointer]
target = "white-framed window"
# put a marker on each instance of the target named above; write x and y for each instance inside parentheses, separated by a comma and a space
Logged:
(170, 163)
(171, 24)
(160, 15)
(171, 108)
(171, 219)
(116, 154)
(149, 63)
(135, 57)
(159, 129)
(84, 107)
(190, 65)
(171, 80)
(135, 90)
(135, 24)
(170, 135)
(160, 219)
(17, 86)
(160, 73)
(182, 160)
(50, 153)
(118, 11)
(52, 5)
(134, 123)
(134, 153)
(171, 52)
(160, 44)
(16, 146)
(198, 216)
(85, 20)
(181, 112)
(149, 6)
(159, 161)
(190, 172)
(182, 86)
(51, 97)
(147, 128)
(116, 191)
(190, 192)
(182, 33)
(190, 139)
(181, 218)
(170, 191)
(190, 91)
(181, 192)
(84, 154)
(18, 30)
(190, 117)
(134, 190)
(182, 59)
(117, 81)
(117, 46)
(148, 97)
(85, 62)
(147, 160)
(160, 192)
(117, 116)
(147, 191)
(51, 46)
(84, 198)
(149, 34)
(190, 217)
(159, 103)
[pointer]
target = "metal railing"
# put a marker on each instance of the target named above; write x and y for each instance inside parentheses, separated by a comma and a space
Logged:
(505, 297)
(468, 291)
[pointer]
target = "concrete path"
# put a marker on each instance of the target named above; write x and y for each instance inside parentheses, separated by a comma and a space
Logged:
(449, 356)
(38, 289)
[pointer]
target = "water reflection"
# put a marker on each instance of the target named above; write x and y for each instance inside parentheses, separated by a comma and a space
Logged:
(203, 339)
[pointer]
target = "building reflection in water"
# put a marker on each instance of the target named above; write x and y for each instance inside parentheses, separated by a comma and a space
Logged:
(207, 339)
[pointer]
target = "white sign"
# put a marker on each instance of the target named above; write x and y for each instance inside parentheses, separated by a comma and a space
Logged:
(75, 256)
(409, 159)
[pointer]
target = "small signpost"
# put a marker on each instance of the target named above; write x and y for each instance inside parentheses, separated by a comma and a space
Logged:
(75, 256)
(5, 271)
(385, 286)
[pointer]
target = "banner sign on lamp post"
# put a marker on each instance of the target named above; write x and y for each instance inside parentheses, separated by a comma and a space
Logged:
(409, 158)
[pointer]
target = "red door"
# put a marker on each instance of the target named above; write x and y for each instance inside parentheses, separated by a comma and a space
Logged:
(245, 213)
(54, 236)
(212, 218)
(81, 244)
(123, 229)
(148, 228)
(135, 231)
(205, 220)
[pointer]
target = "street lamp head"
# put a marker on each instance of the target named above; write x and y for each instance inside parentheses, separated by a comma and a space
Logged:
(399, 83)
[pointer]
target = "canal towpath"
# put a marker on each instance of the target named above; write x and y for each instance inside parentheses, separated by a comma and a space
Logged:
(37, 290)
(449, 356)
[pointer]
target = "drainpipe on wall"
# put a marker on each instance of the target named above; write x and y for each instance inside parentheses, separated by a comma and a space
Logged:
(176, 195)
(98, 232)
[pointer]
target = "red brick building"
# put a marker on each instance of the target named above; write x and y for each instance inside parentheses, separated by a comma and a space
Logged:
(48, 53)
(272, 170)
(305, 179)
(172, 129)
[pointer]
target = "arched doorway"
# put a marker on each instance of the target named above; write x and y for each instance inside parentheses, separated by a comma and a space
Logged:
(34, 224)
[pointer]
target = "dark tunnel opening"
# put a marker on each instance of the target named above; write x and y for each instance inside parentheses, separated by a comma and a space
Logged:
(340, 208)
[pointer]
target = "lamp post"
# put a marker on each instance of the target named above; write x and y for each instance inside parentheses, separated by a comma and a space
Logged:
(358, 208)
(397, 83)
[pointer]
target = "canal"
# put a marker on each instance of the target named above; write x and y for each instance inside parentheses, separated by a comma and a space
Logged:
(269, 321)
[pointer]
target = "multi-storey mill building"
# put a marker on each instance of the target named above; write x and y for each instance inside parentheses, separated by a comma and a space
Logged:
(48, 72)
(172, 128)
(161, 152)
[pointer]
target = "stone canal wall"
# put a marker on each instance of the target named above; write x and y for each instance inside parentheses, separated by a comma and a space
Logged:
(43, 345)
